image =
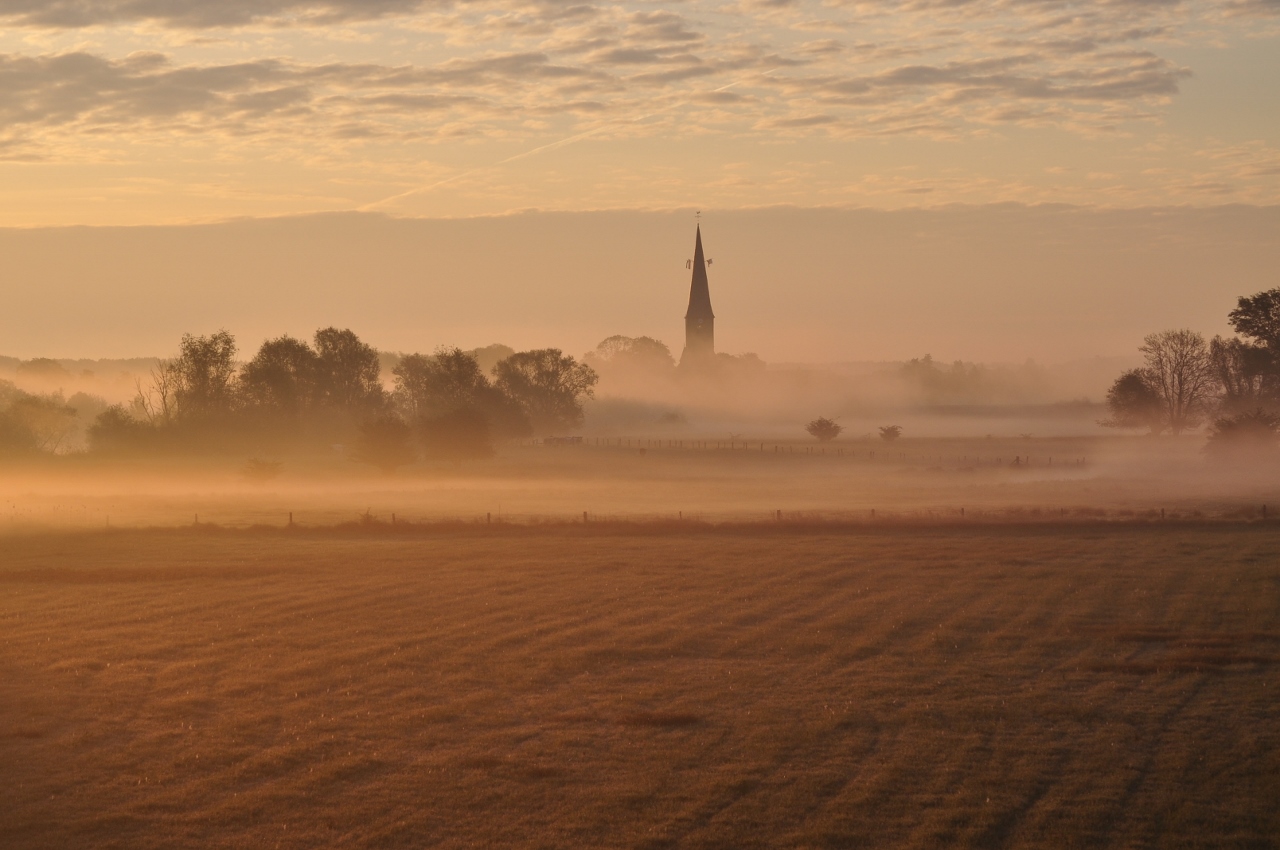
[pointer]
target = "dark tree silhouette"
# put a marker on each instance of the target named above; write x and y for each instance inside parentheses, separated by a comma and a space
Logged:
(1179, 369)
(432, 386)
(203, 376)
(282, 377)
(549, 386)
(889, 433)
(1258, 318)
(349, 371)
(115, 430)
(824, 429)
(1134, 403)
(1244, 374)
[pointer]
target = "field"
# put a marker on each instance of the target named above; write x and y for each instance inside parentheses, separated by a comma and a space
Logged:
(643, 685)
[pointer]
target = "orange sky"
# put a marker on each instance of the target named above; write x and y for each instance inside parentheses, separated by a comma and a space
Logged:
(118, 114)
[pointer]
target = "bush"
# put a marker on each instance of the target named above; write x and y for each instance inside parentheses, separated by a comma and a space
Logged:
(889, 433)
(1244, 435)
(824, 429)
(115, 430)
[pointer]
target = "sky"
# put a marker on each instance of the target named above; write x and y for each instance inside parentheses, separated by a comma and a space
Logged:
(146, 112)
(992, 283)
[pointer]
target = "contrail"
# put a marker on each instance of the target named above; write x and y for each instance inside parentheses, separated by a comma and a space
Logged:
(550, 146)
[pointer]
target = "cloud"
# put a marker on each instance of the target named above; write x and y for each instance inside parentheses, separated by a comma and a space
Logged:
(198, 14)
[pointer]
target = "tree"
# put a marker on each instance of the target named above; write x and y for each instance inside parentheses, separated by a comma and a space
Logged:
(47, 419)
(824, 429)
(385, 442)
(889, 433)
(431, 386)
(155, 403)
(640, 353)
(281, 377)
(1258, 317)
(349, 371)
(202, 376)
(1134, 403)
(1179, 369)
(548, 385)
(114, 430)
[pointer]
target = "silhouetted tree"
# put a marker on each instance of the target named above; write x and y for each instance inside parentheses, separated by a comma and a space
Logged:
(203, 374)
(115, 430)
(1258, 318)
(824, 429)
(1134, 403)
(889, 433)
(282, 377)
(1243, 372)
(549, 386)
(1178, 368)
(385, 442)
(448, 381)
(348, 375)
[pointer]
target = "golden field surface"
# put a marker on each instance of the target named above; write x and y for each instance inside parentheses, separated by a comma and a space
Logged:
(643, 685)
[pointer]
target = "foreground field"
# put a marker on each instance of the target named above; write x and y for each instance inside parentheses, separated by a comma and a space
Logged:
(560, 687)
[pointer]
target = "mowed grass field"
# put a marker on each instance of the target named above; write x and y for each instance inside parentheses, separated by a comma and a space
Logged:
(912, 686)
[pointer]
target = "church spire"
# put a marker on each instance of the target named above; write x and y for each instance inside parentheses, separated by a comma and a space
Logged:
(699, 321)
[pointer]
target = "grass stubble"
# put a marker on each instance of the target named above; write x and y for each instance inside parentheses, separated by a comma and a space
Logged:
(912, 686)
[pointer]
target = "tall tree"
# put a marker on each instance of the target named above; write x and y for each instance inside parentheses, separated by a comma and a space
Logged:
(1179, 369)
(448, 381)
(203, 375)
(1244, 374)
(281, 377)
(549, 385)
(348, 371)
(1258, 318)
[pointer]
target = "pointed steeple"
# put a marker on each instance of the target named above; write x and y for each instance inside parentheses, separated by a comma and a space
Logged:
(699, 292)
(699, 321)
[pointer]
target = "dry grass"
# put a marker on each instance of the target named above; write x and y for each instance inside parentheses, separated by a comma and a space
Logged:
(893, 687)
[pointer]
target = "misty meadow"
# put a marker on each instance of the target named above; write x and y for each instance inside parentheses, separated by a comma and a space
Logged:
(639, 424)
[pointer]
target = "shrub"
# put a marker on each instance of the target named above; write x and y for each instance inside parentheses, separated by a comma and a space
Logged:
(1246, 434)
(824, 429)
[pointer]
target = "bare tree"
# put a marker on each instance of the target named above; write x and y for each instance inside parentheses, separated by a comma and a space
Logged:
(155, 403)
(1179, 368)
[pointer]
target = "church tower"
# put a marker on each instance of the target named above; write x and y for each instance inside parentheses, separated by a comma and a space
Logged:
(699, 321)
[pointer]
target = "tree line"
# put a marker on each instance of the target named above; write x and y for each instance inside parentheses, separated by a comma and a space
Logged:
(329, 391)
(1234, 383)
